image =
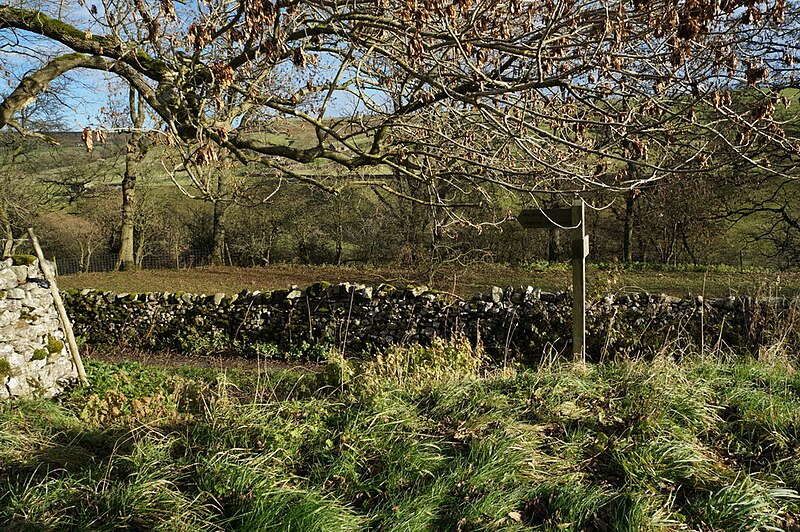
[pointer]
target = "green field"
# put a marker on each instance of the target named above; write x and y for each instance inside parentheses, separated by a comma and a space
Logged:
(417, 439)
(463, 282)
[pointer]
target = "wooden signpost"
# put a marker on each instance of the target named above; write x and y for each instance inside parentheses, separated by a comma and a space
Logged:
(571, 219)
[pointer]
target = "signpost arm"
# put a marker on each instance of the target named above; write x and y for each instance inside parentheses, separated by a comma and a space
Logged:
(580, 249)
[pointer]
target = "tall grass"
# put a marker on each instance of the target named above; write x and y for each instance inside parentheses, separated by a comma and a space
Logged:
(420, 438)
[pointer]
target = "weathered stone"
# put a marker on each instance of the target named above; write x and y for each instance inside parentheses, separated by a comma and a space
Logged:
(21, 272)
(28, 321)
(496, 294)
(729, 303)
(417, 291)
(18, 387)
(8, 279)
(365, 292)
(376, 318)
(15, 293)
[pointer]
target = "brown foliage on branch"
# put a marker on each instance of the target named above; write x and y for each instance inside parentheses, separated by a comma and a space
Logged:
(465, 98)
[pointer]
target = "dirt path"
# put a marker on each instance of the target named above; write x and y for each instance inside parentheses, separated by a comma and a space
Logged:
(177, 360)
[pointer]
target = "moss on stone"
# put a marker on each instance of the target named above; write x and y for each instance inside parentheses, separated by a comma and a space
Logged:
(23, 260)
(54, 345)
(5, 368)
(317, 289)
(39, 354)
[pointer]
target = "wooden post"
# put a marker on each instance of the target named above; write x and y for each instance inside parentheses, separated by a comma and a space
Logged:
(572, 219)
(580, 250)
(62, 312)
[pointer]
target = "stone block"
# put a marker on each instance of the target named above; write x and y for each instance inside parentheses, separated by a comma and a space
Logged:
(16, 293)
(21, 272)
(8, 279)
(497, 294)
(294, 294)
(18, 387)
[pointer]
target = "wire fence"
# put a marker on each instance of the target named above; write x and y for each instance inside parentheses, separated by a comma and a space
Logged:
(106, 262)
(67, 264)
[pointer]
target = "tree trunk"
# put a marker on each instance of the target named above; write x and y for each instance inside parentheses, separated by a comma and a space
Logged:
(272, 234)
(553, 245)
(139, 253)
(8, 233)
(627, 232)
(686, 246)
(126, 259)
(218, 223)
(339, 233)
(218, 233)
(339, 248)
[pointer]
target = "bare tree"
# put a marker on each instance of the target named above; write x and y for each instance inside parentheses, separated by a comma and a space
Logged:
(21, 194)
(133, 155)
(462, 97)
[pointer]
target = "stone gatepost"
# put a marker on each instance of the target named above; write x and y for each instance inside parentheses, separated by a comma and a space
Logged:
(34, 360)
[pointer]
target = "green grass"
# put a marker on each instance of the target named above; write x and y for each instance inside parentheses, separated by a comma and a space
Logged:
(418, 439)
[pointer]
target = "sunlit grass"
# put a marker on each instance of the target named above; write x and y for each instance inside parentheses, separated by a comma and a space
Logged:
(418, 439)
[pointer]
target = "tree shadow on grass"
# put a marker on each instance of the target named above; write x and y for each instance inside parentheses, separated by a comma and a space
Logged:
(66, 480)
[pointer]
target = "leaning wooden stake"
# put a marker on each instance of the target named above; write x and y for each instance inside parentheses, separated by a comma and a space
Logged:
(62, 312)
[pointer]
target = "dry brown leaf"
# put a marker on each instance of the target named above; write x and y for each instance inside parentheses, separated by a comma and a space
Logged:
(86, 137)
(167, 9)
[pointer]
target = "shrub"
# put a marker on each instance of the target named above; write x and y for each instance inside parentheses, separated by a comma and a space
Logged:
(23, 260)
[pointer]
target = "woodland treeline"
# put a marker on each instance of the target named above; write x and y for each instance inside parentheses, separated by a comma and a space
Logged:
(73, 199)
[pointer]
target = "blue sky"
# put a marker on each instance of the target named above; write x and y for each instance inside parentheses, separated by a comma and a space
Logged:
(88, 90)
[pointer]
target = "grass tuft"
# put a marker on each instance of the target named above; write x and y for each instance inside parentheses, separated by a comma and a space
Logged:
(417, 439)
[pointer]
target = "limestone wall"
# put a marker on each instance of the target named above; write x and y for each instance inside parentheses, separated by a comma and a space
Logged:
(33, 357)
(521, 322)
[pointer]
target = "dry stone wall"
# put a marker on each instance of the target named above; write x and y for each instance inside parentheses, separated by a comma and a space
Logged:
(33, 357)
(522, 322)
